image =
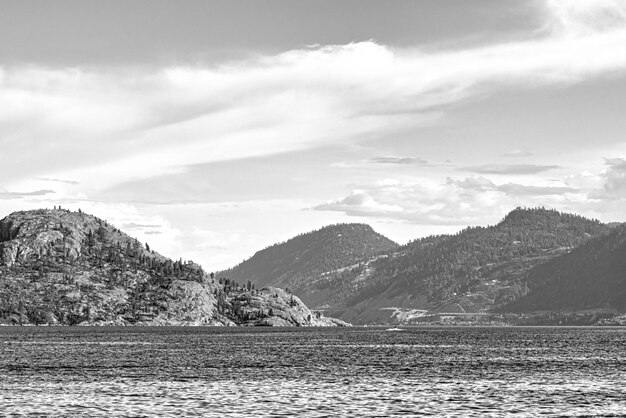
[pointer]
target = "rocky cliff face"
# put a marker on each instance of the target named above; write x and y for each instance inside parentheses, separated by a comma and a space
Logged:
(69, 268)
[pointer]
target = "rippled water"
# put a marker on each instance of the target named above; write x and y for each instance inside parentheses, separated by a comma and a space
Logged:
(312, 372)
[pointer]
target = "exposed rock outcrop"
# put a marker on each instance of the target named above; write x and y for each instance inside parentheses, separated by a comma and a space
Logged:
(272, 306)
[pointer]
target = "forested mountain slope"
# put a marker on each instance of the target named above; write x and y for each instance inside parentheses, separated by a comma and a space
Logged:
(62, 267)
(592, 276)
(475, 270)
(306, 258)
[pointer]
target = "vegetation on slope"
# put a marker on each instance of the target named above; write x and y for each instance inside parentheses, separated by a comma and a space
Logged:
(479, 267)
(307, 256)
(592, 276)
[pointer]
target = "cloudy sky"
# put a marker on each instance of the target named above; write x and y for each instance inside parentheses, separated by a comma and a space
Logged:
(212, 129)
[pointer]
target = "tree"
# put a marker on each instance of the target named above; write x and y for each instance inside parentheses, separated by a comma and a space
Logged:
(101, 232)
(90, 239)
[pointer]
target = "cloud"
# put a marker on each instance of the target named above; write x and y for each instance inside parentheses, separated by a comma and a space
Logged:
(481, 184)
(518, 153)
(133, 225)
(523, 190)
(360, 203)
(457, 201)
(72, 182)
(109, 121)
(17, 195)
(509, 168)
(614, 180)
(478, 184)
(421, 201)
(577, 18)
(399, 160)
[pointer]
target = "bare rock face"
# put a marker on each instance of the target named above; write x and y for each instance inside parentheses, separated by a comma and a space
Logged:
(30, 236)
(8, 252)
(191, 303)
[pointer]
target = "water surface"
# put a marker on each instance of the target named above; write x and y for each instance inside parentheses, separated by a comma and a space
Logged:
(312, 372)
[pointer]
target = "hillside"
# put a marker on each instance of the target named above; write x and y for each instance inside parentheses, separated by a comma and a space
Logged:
(591, 277)
(318, 255)
(473, 271)
(62, 267)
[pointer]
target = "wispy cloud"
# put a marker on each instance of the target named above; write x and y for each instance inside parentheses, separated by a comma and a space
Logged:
(72, 182)
(133, 225)
(17, 195)
(575, 18)
(518, 153)
(114, 120)
(508, 169)
(525, 190)
(481, 184)
(399, 160)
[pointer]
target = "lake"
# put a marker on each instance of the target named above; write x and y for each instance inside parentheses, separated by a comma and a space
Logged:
(171, 371)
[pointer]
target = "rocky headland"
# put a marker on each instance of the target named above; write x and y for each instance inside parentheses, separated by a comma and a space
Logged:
(59, 267)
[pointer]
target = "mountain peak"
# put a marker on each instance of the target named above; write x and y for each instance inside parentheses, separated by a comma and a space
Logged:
(539, 216)
(293, 262)
(27, 236)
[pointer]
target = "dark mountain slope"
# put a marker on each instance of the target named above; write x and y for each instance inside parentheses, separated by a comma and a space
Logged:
(62, 267)
(309, 256)
(474, 270)
(590, 277)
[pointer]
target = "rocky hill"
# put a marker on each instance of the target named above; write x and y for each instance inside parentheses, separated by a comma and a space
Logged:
(323, 256)
(592, 277)
(69, 268)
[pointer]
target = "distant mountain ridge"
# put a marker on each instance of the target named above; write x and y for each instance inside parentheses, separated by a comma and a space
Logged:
(306, 257)
(475, 270)
(65, 268)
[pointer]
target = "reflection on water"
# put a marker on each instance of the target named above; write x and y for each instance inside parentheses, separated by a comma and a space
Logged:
(312, 372)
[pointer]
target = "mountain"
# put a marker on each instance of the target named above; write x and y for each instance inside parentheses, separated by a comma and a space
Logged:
(591, 277)
(62, 267)
(355, 274)
(318, 255)
(473, 271)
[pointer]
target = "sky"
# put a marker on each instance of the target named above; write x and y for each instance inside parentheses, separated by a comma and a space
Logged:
(213, 129)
